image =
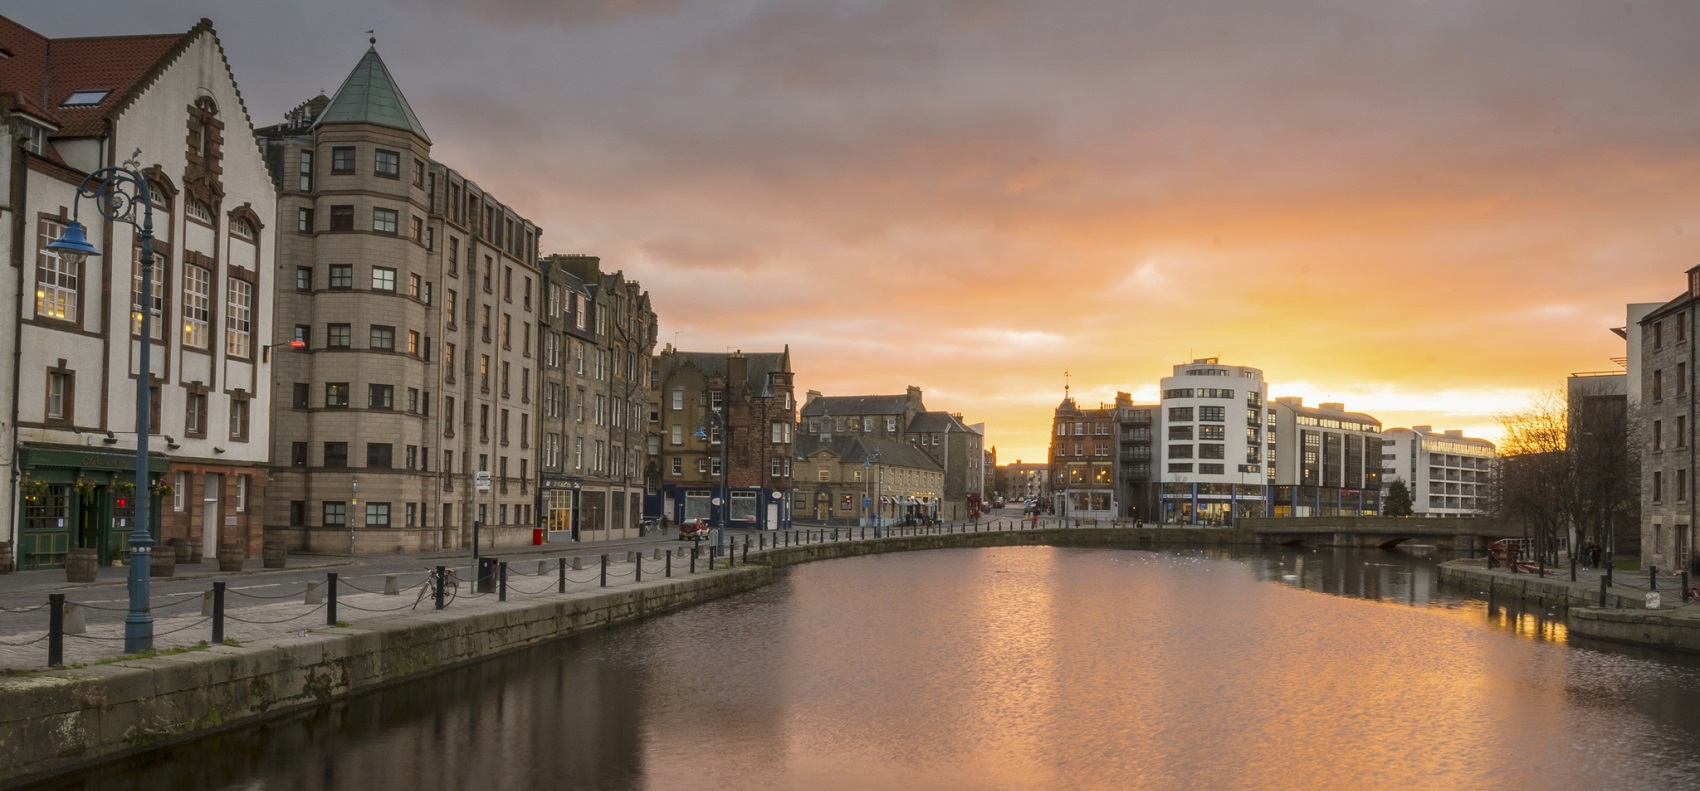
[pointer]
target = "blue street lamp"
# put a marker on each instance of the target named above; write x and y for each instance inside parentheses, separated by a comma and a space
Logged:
(714, 419)
(118, 191)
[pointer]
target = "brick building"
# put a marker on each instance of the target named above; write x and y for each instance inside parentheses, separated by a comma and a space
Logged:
(735, 410)
(958, 448)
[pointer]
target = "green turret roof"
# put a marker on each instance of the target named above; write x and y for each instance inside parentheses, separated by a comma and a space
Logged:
(369, 96)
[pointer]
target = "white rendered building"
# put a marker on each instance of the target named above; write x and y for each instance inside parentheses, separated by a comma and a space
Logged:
(1213, 419)
(1447, 472)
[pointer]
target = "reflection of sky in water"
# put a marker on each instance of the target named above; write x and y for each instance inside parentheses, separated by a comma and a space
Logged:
(1017, 668)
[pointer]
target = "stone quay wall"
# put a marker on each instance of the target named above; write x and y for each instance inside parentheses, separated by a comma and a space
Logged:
(1625, 618)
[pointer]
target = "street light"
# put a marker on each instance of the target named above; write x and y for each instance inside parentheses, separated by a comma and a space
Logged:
(117, 190)
(714, 419)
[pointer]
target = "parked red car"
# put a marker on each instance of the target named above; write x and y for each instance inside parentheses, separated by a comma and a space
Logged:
(693, 530)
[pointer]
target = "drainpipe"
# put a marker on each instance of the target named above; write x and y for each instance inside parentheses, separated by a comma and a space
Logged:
(20, 181)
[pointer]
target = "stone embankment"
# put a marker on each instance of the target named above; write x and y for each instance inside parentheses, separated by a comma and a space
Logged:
(1625, 618)
(54, 721)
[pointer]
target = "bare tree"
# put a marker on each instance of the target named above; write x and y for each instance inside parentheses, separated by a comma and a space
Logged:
(1536, 484)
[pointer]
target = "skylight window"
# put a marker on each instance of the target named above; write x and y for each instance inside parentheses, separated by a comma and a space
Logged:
(85, 98)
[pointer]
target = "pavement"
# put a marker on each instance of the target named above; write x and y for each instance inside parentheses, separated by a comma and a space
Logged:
(261, 602)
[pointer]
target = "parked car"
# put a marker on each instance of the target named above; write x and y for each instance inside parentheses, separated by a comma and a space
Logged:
(693, 530)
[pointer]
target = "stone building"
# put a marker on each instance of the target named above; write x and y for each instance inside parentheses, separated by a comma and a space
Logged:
(1082, 464)
(1020, 482)
(599, 335)
(416, 294)
(1666, 417)
(955, 446)
(168, 106)
(864, 480)
(724, 413)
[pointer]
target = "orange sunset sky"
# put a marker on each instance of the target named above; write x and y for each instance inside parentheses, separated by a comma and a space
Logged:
(1431, 210)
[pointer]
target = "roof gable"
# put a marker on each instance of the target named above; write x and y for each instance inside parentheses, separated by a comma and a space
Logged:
(42, 73)
(370, 96)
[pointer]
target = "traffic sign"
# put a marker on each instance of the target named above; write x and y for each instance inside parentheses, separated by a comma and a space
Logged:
(481, 480)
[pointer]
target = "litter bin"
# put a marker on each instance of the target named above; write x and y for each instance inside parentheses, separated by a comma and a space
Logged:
(537, 536)
(487, 574)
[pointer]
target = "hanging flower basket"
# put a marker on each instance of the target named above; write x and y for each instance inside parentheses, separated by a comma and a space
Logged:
(165, 490)
(85, 487)
(127, 488)
(35, 490)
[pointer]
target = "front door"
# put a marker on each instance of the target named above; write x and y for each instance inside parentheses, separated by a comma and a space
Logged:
(211, 514)
(773, 516)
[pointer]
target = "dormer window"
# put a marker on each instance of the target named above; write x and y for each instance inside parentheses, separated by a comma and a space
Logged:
(85, 98)
(35, 138)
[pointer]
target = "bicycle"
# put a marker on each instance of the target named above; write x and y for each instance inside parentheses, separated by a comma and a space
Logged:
(428, 588)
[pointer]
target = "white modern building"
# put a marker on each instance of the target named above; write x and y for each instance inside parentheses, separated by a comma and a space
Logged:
(1213, 419)
(1324, 460)
(168, 107)
(1448, 473)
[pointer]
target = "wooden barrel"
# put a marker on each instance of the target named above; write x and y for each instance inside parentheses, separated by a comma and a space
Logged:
(179, 549)
(162, 564)
(231, 558)
(194, 546)
(275, 553)
(81, 564)
(5, 557)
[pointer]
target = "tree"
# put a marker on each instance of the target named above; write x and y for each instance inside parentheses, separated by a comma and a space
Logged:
(1398, 502)
(1536, 484)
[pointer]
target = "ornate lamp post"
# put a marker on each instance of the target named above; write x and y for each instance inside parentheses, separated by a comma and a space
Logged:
(117, 192)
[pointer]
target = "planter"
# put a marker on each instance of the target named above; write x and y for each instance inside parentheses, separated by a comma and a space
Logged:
(5, 557)
(162, 564)
(231, 558)
(275, 553)
(81, 564)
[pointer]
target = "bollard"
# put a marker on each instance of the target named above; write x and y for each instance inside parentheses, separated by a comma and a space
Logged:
(55, 629)
(578, 563)
(746, 550)
(542, 567)
(710, 561)
(638, 572)
(1604, 581)
(442, 582)
(206, 603)
(218, 612)
(561, 582)
(696, 549)
(1652, 578)
(657, 554)
(604, 571)
(330, 602)
(75, 621)
(313, 596)
(630, 555)
(1685, 585)
(669, 562)
(761, 542)
(392, 585)
(693, 560)
(1572, 568)
(502, 581)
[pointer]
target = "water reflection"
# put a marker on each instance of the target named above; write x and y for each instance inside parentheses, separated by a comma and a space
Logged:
(1014, 668)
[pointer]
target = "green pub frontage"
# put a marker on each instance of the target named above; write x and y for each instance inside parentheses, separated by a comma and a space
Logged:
(81, 497)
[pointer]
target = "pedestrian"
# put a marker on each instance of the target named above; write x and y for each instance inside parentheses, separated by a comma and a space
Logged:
(1594, 554)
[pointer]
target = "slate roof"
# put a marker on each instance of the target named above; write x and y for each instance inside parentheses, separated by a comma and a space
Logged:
(856, 405)
(370, 96)
(857, 449)
(714, 364)
(42, 73)
(936, 422)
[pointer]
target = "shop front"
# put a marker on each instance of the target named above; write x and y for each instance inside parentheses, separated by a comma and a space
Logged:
(557, 507)
(74, 497)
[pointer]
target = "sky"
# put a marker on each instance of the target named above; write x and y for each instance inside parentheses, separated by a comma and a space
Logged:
(1430, 210)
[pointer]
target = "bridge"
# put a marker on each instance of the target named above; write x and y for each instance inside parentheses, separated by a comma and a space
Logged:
(1464, 535)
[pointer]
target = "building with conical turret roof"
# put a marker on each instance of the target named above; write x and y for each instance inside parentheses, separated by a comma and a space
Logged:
(417, 296)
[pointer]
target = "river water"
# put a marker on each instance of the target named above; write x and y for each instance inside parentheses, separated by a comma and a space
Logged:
(1015, 668)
